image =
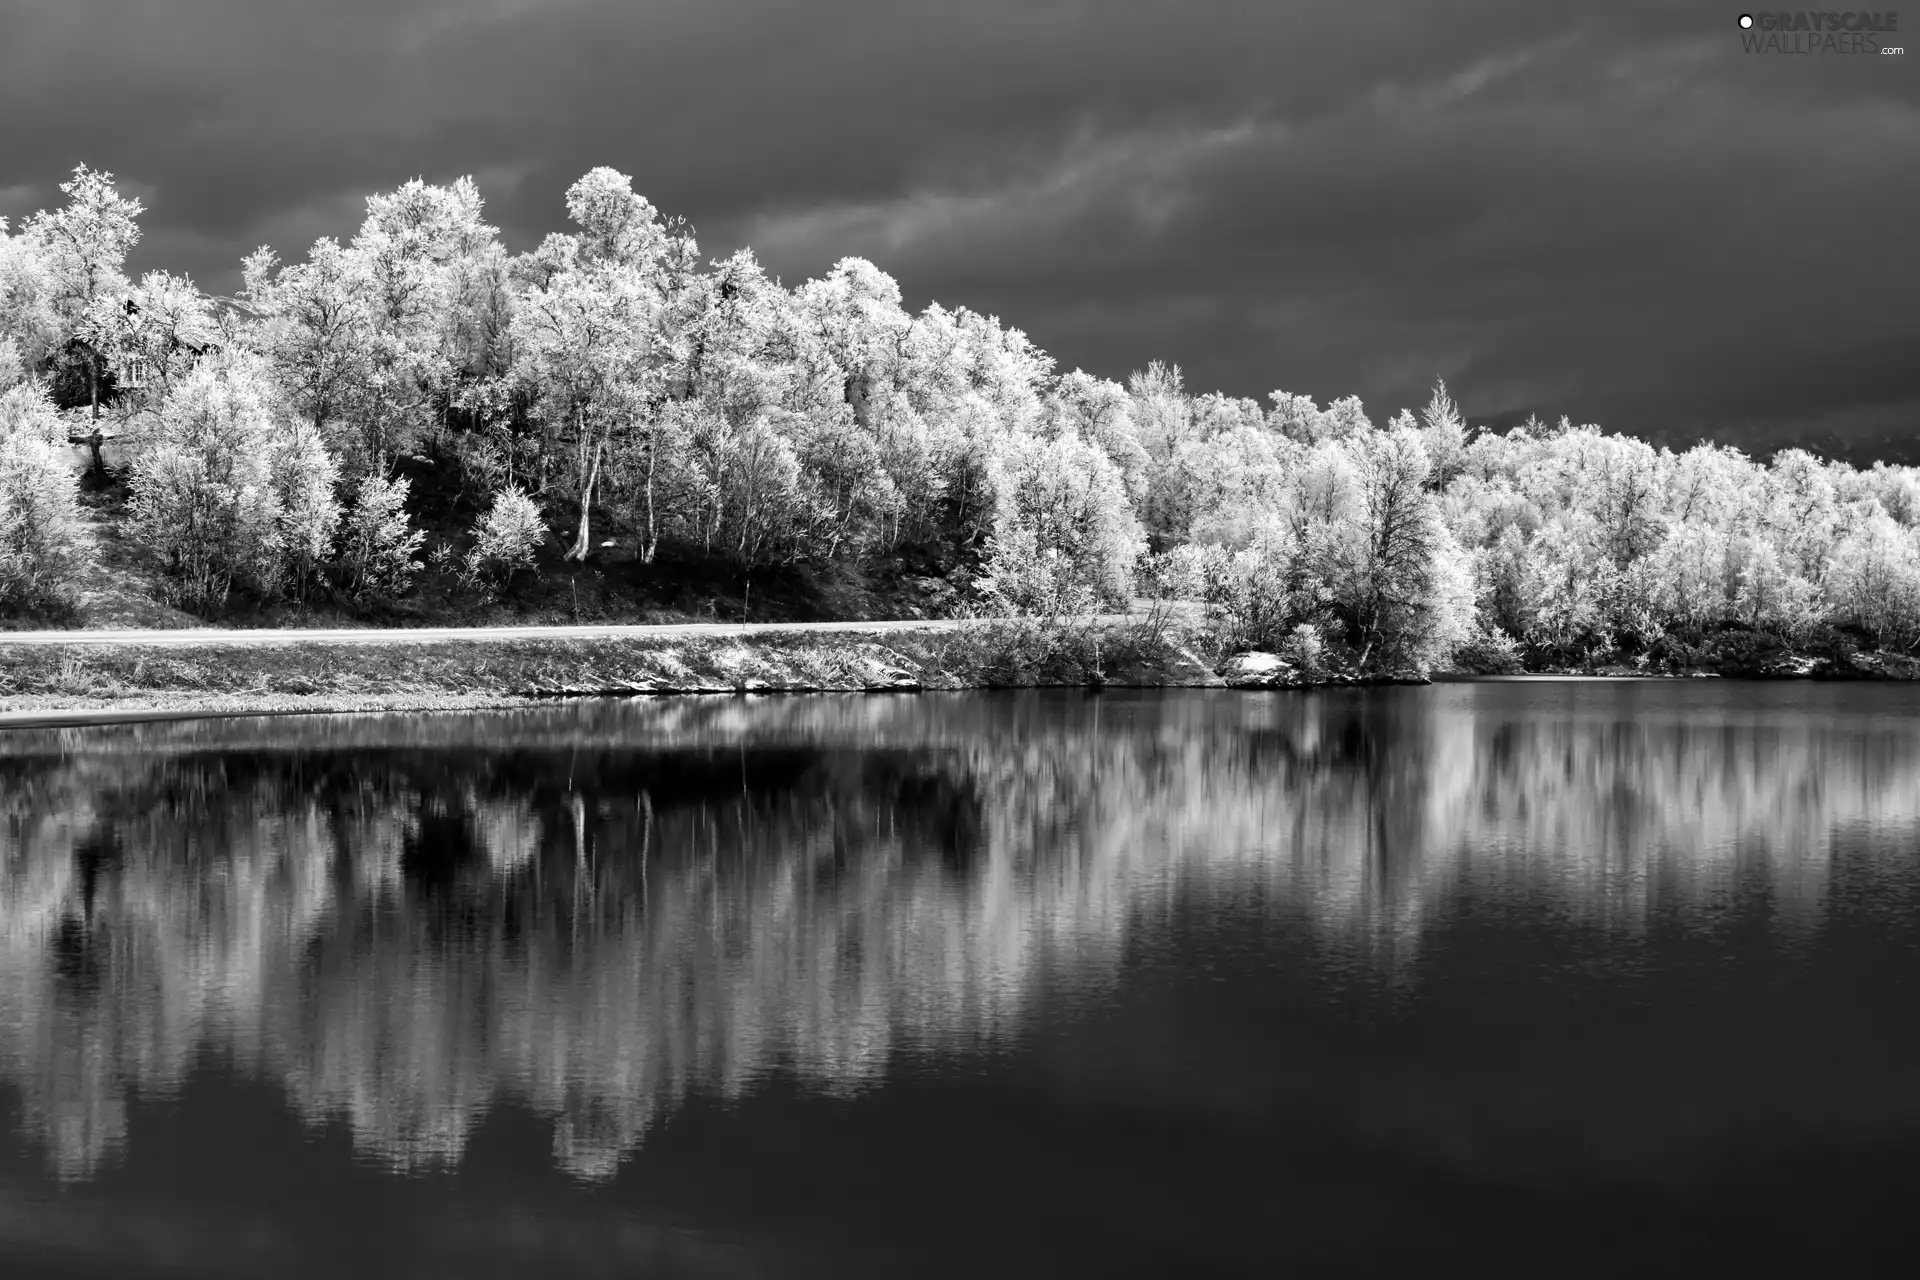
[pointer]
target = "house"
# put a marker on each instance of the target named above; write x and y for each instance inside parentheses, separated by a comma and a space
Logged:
(134, 370)
(131, 365)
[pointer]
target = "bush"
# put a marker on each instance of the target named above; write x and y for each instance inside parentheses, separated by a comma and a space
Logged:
(505, 538)
(1023, 579)
(1747, 653)
(26, 410)
(1065, 539)
(1305, 651)
(1875, 583)
(13, 367)
(304, 476)
(42, 539)
(1258, 595)
(1489, 652)
(203, 493)
(377, 545)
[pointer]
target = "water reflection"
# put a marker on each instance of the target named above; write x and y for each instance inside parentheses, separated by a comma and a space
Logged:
(595, 910)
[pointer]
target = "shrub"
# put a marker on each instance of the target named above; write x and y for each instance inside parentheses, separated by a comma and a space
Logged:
(203, 493)
(1064, 539)
(1258, 595)
(377, 545)
(505, 538)
(42, 539)
(1024, 579)
(1489, 652)
(1874, 583)
(304, 476)
(1306, 651)
(13, 368)
(27, 410)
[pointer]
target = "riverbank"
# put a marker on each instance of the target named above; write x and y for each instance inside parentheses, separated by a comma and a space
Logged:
(145, 675)
(224, 677)
(1255, 670)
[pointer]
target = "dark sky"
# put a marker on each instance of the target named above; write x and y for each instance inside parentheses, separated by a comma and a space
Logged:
(1607, 209)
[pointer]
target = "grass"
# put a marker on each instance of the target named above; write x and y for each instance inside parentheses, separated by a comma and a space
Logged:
(997, 655)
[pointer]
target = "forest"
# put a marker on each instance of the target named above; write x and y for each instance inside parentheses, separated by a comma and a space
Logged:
(419, 425)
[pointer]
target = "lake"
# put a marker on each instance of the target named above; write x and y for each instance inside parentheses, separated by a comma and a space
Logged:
(1534, 978)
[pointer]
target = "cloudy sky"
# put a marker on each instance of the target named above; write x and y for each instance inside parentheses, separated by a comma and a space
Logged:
(1608, 209)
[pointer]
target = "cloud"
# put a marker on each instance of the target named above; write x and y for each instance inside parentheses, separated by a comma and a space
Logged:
(1606, 209)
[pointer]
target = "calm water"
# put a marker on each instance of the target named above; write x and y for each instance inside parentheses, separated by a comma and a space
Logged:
(1535, 978)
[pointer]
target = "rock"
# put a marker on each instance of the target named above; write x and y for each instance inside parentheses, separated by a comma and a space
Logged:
(1256, 671)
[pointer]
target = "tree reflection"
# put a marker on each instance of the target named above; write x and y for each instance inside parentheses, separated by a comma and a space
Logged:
(596, 911)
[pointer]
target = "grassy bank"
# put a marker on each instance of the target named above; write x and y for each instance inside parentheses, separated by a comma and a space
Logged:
(1153, 650)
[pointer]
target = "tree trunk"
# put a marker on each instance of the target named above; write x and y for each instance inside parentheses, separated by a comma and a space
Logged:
(582, 544)
(856, 396)
(652, 540)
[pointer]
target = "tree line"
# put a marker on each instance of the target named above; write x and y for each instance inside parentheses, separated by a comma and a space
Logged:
(612, 383)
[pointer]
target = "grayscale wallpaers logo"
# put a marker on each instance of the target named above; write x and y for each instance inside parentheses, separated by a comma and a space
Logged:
(1804, 32)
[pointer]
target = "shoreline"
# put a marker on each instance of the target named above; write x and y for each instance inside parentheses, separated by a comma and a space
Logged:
(147, 678)
(55, 711)
(127, 679)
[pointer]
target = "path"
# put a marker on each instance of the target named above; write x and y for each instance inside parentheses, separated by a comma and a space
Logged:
(200, 636)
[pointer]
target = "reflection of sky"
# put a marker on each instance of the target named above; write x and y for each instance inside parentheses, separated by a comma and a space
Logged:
(402, 935)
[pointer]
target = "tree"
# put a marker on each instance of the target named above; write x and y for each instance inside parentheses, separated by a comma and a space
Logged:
(42, 537)
(1875, 582)
(304, 474)
(318, 330)
(1162, 410)
(590, 331)
(204, 497)
(405, 253)
(843, 486)
(1394, 591)
(854, 314)
(1064, 538)
(588, 351)
(166, 325)
(1101, 411)
(85, 246)
(28, 320)
(378, 545)
(1444, 433)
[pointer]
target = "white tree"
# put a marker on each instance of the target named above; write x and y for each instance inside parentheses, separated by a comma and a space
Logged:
(28, 320)
(84, 246)
(1393, 585)
(1875, 582)
(378, 545)
(203, 495)
(1444, 433)
(42, 538)
(304, 474)
(592, 338)
(1064, 539)
(318, 330)
(505, 537)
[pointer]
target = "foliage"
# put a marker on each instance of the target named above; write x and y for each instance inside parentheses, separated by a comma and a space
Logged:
(616, 381)
(42, 540)
(505, 537)
(378, 545)
(1064, 540)
(304, 475)
(203, 492)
